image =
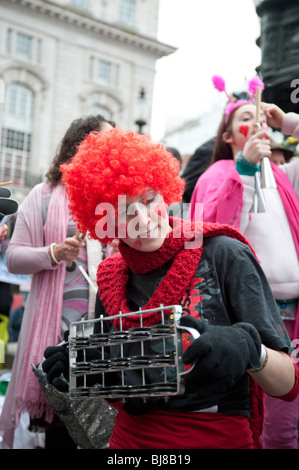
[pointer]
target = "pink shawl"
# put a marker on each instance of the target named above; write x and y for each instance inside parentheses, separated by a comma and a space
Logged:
(42, 317)
(220, 189)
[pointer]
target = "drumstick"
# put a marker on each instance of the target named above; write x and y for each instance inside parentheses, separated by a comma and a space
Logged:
(5, 183)
(258, 108)
(88, 278)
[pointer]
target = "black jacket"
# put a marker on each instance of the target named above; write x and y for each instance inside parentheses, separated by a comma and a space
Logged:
(197, 164)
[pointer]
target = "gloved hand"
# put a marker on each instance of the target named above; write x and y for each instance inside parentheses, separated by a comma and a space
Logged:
(56, 363)
(56, 366)
(221, 355)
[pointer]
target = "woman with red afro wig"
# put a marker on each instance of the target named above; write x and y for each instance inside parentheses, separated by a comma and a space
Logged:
(116, 163)
(218, 401)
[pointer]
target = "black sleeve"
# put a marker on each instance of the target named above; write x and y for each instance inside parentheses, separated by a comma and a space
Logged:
(99, 307)
(251, 299)
(101, 311)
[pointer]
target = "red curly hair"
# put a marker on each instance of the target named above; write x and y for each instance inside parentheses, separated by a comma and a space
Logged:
(113, 163)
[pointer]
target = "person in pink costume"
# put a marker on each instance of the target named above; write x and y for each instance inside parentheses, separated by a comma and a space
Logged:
(226, 191)
(44, 244)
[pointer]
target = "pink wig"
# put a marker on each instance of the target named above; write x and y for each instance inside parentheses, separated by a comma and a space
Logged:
(113, 163)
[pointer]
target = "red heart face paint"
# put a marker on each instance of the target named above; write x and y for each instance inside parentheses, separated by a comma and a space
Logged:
(243, 129)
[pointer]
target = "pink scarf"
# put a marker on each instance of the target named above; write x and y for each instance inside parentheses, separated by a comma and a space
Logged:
(42, 318)
(220, 189)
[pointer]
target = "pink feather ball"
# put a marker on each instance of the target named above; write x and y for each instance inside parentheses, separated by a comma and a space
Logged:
(253, 84)
(218, 83)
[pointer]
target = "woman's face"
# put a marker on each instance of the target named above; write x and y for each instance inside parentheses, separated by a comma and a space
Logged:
(243, 126)
(146, 221)
(105, 126)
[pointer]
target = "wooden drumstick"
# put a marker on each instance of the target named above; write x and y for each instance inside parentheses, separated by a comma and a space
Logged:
(94, 287)
(258, 108)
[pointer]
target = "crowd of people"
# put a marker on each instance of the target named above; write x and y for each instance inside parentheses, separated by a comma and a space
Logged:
(237, 271)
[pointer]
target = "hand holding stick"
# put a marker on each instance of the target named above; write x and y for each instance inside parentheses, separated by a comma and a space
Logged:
(80, 237)
(267, 177)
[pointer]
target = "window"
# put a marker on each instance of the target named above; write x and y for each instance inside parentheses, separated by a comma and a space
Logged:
(16, 133)
(16, 140)
(80, 4)
(103, 72)
(126, 12)
(98, 109)
(18, 101)
(24, 46)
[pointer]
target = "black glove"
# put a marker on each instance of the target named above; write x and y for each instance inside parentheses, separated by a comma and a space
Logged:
(56, 363)
(221, 355)
(56, 366)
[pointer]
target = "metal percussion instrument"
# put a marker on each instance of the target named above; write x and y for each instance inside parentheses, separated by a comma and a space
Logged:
(160, 349)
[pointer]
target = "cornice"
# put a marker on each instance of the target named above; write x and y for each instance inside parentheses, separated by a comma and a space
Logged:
(10, 68)
(85, 21)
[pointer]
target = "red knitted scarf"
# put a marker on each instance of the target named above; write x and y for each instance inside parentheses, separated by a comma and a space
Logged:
(112, 279)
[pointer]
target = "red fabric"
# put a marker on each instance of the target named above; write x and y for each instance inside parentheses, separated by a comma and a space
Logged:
(180, 430)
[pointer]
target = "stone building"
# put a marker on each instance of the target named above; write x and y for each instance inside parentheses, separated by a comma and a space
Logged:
(63, 59)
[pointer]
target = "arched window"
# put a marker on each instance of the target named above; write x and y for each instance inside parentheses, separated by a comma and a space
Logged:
(98, 109)
(16, 133)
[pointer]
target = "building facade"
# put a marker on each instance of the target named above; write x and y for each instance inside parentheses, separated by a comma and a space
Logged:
(63, 59)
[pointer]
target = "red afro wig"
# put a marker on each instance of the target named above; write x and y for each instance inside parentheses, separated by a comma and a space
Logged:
(113, 163)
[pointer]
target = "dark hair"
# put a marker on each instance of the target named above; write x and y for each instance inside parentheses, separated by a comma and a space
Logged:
(222, 150)
(75, 134)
